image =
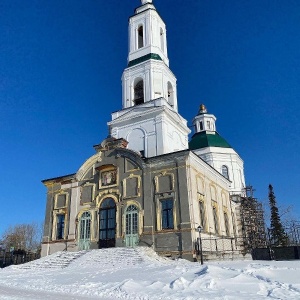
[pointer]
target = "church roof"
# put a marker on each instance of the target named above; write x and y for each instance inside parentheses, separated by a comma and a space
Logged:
(203, 140)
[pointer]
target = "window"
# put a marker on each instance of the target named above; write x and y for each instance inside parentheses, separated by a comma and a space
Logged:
(162, 38)
(225, 171)
(208, 124)
(202, 214)
(140, 37)
(170, 94)
(201, 125)
(226, 224)
(216, 220)
(139, 92)
(167, 214)
(60, 227)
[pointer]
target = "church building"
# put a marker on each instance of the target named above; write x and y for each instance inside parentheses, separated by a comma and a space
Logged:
(147, 184)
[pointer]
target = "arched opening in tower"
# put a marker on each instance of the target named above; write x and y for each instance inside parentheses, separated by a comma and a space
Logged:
(140, 37)
(162, 40)
(139, 92)
(170, 94)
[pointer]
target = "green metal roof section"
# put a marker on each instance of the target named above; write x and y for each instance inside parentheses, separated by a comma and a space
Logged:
(203, 140)
(144, 58)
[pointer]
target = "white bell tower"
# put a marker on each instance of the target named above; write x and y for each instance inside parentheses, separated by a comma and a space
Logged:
(149, 119)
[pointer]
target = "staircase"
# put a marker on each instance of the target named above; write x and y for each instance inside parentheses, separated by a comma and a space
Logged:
(112, 258)
(58, 260)
(102, 259)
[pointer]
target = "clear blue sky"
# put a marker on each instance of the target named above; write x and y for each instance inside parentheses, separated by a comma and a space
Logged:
(60, 78)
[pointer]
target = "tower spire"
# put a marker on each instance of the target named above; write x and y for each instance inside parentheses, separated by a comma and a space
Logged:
(146, 1)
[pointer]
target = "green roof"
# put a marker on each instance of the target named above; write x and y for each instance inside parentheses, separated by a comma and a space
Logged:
(144, 58)
(203, 140)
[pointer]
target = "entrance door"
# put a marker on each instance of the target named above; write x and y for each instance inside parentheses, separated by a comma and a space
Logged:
(85, 231)
(132, 235)
(107, 223)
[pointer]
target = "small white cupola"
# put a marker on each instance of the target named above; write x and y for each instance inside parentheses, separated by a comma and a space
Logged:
(204, 121)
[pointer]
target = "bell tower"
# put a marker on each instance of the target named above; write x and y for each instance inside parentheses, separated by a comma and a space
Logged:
(149, 118)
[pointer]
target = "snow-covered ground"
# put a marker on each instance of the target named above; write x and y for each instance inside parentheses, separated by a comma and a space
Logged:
(127, 273)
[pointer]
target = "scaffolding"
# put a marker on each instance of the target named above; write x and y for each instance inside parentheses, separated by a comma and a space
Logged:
(250, 220)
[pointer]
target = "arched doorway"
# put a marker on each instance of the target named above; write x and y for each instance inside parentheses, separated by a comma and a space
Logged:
(107, 224)
(84, 231)
(132, 226)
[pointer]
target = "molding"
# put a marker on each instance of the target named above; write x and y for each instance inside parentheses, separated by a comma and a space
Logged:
(92, 196)
(56, 198)
(138, 187)
(164, 174)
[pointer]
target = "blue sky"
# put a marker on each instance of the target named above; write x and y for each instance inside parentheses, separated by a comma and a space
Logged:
(60, 78)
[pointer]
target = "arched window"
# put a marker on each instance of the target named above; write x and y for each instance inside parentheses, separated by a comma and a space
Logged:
(136, 140)
(170, 94)
(162, 40)
(107, 223)
(208, 125)
(140, 34)
(225, 171)
(139, 92)
(216, 222)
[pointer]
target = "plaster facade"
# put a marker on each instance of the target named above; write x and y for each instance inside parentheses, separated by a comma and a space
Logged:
(144, 186)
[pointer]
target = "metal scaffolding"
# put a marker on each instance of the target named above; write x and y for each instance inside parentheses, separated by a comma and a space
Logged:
(250, 220)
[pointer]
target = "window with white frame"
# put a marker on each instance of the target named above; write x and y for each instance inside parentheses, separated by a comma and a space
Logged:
(225, 172)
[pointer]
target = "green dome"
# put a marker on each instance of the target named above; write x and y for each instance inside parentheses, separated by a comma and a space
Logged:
(203, 140)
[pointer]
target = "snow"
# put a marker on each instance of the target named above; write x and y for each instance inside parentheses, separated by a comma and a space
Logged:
(139, 273)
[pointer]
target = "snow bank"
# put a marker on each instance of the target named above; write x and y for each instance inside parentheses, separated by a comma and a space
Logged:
(139, 273)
